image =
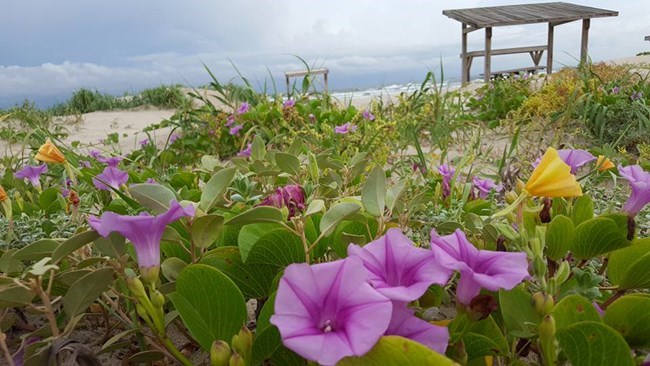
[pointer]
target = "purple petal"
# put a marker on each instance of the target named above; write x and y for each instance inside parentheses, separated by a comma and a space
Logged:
(235, 129)
(290, 103)
(404, 324)
(640, 184)
(345, 128)
(397, 269)
(243, 108)
(246, 152)
(143, 231)
(112, 161)
(110, 177)
(485, 186)
(328, 311)
(32, 173)
(368, 115)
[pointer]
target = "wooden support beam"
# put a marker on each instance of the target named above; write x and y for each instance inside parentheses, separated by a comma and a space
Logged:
(488, 54)
(585, 40)
(465, 62)
(549, 52)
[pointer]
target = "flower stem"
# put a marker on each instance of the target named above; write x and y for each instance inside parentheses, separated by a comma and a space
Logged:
(5, 350)
(174, 351)
(613, 298)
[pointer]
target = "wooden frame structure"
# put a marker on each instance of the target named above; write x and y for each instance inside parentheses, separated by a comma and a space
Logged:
(486, 18)
(294, 74)
(647, 38)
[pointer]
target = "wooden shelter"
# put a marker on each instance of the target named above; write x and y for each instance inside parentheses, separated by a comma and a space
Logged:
(497, 16)
(293, 74)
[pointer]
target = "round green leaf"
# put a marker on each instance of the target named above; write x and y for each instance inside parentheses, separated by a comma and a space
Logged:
(278, 247)
(573, 309)
(257, 214)
(336, 214)
(397, 351)
(206, 230)
(216, 187)
(630, 316)
(287, 163)
(36, 250)
(86, 290)
(628, 267)
(559, 237)
(374, 192)
(249, 234)
(152, 196)
(210, 304)
(597, 236)
(73, 244)
(583, 210)
(592, 343)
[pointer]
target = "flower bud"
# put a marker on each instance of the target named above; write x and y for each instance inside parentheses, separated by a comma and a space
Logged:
(236, 360)
(511, 197)
(142, 312)
(157, 299)
(150, 274)
(242, 343)
(136, 287)
(519, 187)
(562, 273)
(219, 353)
(546, 333)
(543, 302)
(539, 266)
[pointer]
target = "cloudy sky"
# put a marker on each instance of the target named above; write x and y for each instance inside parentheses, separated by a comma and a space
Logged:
(50, 48)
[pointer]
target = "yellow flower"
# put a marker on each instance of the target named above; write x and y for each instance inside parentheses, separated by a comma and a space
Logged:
(603, 163)
(49, 153)
(553, 178)
(3, 194)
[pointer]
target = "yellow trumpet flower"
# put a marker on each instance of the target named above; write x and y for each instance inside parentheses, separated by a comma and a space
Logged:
(49, 153)
(604, 163)
(553, 178)
(3, 194)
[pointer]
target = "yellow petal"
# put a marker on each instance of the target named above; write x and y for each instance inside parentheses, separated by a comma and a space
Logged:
(3, 194)
(553, 178)
(49, 153)
(603, 163)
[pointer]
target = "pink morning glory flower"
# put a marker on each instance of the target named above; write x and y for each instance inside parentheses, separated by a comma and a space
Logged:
(291, 196)
(145, 142)
(616, 90)
(112, 161)
(575, 158)
(640, 183)
(328, 311)
(404, 324)
(485, 186)
(84, 164)
(95, 154)
(290, 103)
(243, 108)
(397, 269)
(478, 268)
(345, 128)
(143, 231)
(231, 120)
(246, 152)
(368, 115)
(175, 136)
(235, 129)
(110, 177)
(447, 172)
(151, 181)
(32, 173)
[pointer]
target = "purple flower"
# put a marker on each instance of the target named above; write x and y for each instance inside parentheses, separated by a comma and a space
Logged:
(328, 311)
(175, 136)
(95, 154)
(640, 184)
(84, 164)
(289, 103)
(616, 90)
(246, 152)
(575, 158)
(404, 324)
(447, 173)
(600, 310)
(235, 129)
(112, 162)
(145, 142)
(144, 231)
(65, 192)
(636, 96)
(32, 173)
(345, 128)
(368, 115)
(478, 268)
(151, 181)
(397, 269)
(417, 167)
(243, 108)
(110, 177)
(485, 186)
(231, 120)
(291, 196)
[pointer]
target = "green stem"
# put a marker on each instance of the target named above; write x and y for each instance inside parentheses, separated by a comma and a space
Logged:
(174, 351)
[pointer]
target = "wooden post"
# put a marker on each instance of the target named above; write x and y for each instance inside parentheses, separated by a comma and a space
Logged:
(464, 68)
(585, 40)
(549, 51)
(488, 53)
(288, 87)
(325, 79)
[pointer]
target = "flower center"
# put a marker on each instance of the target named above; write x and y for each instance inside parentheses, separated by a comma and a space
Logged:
(327, 326)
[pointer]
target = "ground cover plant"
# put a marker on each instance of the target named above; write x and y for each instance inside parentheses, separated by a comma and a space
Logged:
(308, 231)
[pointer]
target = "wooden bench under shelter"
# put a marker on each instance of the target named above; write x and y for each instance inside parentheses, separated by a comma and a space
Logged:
(496, 16)
(294, 74)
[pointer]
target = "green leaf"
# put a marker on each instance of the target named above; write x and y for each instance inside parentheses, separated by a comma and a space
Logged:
(36, 250)
(86, 290)
(249, 234)
(573, 309)
(484, 338)
(628, 267)
(335, 215)
(374, 192)
(288, 163)
(397, 351)
(210, 304)
(254, 280)
(591, 343)
(518, 312)
(559, 237)
(583, 210)
(257, 214)
(216, 187)
(113, 246)
(14, 296)
(258, 149)
(171, 268)
(597, 236)
(630, 316)
(267, 341)
(278, 247)
(206, 230)
(351, 232)
(73, 244)
(315, 206)
(48, 200)
(152, 196)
